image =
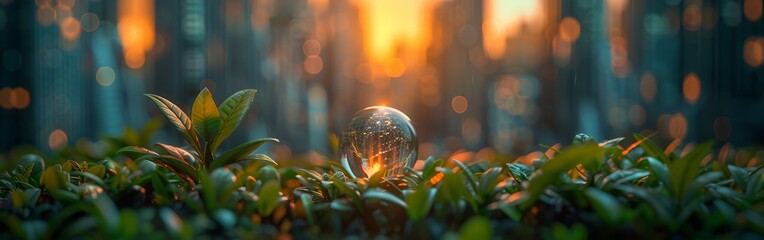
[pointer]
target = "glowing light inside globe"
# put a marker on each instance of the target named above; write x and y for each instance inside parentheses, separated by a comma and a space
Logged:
(378, 138)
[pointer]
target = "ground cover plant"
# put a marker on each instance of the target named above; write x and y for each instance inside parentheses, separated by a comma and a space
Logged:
(586, 189)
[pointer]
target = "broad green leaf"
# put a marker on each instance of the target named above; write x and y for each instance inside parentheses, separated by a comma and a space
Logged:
(561, 163)
(179, 153)
(754, 186)
(661, 205)
(488, 181)
(65, 196)
(307, 204)
(430, 165)
(232, 111)
(377, 177)
(349, 192)
(741, 175)
(660, 171)
(97, 170)
(239, 153)
(89, 176)
(269, 198)
(341, 205)
(178, 119)
(179, 167)
(467, 173)
(699, 183)
(581, 139)
(205, 115)
(623, 176)
(261, 158)
(606, 206)
(684, 170)
(419, 203)
(135, 151)
(520, 171)
(452, 188)
(172, 222)
(268, 173)
(476, 228)
(651, 149)
(384, 196)
(53, 178)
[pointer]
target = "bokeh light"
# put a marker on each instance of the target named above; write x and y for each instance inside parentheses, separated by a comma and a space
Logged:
(5, 98)
(692, 17)
(89, 22)
(677, 126)
(691, 88)
(722, 128)
(753, 9)
(753, 51)
(20, 98)
(70, 28)
(569, 29)
(105, 76)
(57, 139)
(459, 104)
(313, 64)
(648, 87)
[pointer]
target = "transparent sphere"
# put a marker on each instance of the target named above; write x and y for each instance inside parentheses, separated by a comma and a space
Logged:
(378, 138)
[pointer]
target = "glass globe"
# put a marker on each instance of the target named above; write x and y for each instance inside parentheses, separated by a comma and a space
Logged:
(378, 138)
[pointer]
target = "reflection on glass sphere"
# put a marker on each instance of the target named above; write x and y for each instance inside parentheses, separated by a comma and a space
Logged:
(378, 138)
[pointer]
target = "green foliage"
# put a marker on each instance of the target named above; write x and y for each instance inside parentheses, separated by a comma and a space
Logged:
(215, 124)
(589, 189)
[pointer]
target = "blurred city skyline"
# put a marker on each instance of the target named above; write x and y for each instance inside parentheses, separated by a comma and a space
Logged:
(503, 74)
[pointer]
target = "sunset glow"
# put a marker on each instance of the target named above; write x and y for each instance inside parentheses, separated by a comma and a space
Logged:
(136, 29)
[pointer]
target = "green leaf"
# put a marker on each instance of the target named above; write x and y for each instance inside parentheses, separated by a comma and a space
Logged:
(239, 153)
(520, 171)
(232, 111)
(179, 153)
(684, 170)
(561, 163)
(651, 149)
(624, 175)
(205, 115)
(269, 198)
(476, 228)
(452, 188)
(177, 166)
(173, 223)
(741, 175)
(53, 178)
(307, 203)
(467, 173)
(699, 183)
(754, 186)
(345, 189)
(97, 170)
(135, 152)
(261, 158)
(488, 181)
(419, 203)
(660, 171)
(178, 119)
(384, 196)
(606, 206)
(430, 165)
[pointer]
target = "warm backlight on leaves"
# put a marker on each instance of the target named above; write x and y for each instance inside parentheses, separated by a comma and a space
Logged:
(136, 29)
